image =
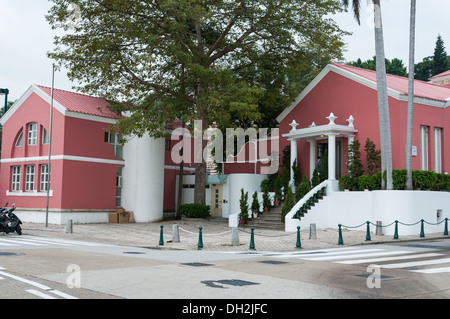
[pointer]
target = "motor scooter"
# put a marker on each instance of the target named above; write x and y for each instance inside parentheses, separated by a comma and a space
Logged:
(9, 222)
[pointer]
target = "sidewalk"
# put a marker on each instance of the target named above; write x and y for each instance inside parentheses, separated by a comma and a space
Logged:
(216, 236)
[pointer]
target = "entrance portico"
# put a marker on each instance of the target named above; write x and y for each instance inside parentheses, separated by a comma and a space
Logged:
(313, 133)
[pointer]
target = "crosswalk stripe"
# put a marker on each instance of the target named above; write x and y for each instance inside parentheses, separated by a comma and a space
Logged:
(358, 254)
(21, 241)
(5, 244)
(39, 294)
(432, 270)
(416, 263)
(38, 240)
(375, 260)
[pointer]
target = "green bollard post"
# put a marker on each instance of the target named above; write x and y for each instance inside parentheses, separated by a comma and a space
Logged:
(446, 227)
(161, 240)
(368, 232)
(396, 230)
(422, 233)
(299, 244)
(200, 239)
(252, 240)
(340, 241)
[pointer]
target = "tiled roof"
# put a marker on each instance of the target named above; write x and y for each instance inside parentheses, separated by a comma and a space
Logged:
(441, 75)
(400, 84)
(80, 103)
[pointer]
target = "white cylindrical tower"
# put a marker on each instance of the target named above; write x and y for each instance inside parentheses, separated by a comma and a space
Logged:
(143, 178)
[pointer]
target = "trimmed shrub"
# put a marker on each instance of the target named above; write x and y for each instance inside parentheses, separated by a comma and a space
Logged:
(195, 210)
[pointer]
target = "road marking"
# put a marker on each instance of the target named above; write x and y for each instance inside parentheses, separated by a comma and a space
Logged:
(353, 254)
(417, 263)
(21, 241)
(433, 270)
(26, 281)
(62, 294)
(374, 260)
(39, 294)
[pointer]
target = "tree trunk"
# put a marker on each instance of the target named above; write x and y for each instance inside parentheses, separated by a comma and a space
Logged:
(200, 167)
(383, 103)
(409, 123)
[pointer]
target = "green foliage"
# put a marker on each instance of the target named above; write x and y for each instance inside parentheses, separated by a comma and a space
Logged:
(302, 189)
(354, 164)
(315, 180)
(195, 210)
(440, 59)
(288, 204)
(344, 182)
(255, 204)
(277, 188)
(373, 157)
(394, 66)
(297, 174)
(243, 205)
(266, 199)
(424, 180)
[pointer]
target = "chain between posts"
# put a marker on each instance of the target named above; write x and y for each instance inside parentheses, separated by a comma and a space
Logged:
(396, 222)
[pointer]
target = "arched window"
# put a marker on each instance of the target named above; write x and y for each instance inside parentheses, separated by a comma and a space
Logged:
(19, 140)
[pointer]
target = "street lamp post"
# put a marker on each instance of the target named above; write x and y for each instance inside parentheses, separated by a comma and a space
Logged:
(5, 92)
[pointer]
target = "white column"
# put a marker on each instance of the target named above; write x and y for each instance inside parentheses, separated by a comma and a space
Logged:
(312, 157)
(293, 158)
(332, 157)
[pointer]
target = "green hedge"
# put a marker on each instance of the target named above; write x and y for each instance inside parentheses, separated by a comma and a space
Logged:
(423, 180)
(195, 210)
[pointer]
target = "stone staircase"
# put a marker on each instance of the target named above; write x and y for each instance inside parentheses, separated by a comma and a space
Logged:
(267, 220)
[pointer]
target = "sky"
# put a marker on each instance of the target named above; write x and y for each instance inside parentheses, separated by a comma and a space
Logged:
(26, 37)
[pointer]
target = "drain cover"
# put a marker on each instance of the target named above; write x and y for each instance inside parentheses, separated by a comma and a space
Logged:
(197, 264)
(230, 282)
(134, 252)
(11, 254)
(273, 262)
(374, 276)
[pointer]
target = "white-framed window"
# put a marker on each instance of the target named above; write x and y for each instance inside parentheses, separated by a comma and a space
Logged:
(119, 186)
(29, 178)
(45, 136)
(19, 140)
(15, 181)
(116, 141)
(424, 147)
(43, 187)
(438, 150)
(32, 134)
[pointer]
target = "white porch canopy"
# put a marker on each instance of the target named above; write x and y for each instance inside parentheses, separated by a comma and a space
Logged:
(314, 133)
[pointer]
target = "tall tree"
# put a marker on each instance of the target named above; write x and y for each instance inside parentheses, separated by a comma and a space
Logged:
(394, 66)
(409, 120)
(440, 59)
(383, 105)
(200, 58)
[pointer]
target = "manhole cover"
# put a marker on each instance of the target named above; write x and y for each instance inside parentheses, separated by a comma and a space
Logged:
(230, 282)
(11, 254)
(197, 264)
(272, 262)
(373, 276)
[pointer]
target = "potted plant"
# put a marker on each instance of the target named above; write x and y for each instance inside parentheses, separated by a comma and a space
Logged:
(243, 216)
(266, 200)
(277, 188)
(255, 204)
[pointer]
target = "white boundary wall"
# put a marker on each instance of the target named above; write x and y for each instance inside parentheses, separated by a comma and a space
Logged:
(355, 208)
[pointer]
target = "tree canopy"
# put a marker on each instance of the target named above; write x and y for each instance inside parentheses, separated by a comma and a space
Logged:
(210, 60)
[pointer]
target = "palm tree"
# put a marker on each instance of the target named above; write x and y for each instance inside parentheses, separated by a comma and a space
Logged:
(409, 123)
(383, 105)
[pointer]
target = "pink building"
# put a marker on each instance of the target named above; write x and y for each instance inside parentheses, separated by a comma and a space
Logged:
(86, 159)
(350, 94)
